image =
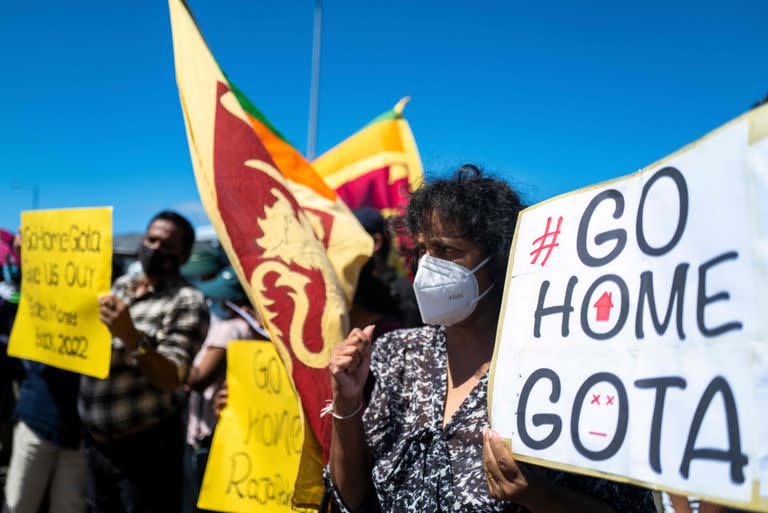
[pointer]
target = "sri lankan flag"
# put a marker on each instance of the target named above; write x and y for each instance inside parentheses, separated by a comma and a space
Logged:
(375, 166)
(293, 242)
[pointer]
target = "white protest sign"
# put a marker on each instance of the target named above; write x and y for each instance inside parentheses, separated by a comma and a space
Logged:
(633, 337)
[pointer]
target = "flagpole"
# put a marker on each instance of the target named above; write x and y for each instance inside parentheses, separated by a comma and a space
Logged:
(314, 88)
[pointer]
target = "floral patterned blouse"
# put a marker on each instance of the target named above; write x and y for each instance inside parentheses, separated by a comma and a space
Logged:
(421, 466)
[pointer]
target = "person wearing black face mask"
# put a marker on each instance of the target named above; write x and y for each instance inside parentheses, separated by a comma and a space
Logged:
(133, 426)
(157, 262)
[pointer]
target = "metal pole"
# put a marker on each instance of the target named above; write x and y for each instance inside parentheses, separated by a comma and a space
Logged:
(35, 192)
(314, 88)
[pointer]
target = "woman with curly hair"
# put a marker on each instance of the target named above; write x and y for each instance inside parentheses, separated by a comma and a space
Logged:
(410, 408)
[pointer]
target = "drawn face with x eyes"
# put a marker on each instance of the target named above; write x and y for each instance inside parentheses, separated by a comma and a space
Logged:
(599, 416)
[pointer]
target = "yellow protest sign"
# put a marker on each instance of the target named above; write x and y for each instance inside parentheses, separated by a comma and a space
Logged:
(66, 263)
(257, 445)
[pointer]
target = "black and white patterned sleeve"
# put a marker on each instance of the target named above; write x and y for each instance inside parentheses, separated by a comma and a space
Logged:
(386, 370)
(386, 367)
(371, 504)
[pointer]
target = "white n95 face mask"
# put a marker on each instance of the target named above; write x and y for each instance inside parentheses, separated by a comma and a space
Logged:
(446, 292)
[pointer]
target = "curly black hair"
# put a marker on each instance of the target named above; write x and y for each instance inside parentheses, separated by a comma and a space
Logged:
(484, 208)
(182, 224)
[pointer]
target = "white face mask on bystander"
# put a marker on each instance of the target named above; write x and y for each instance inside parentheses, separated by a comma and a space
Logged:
(446, 292)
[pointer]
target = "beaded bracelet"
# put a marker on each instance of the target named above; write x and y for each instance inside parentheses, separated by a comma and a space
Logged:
(329, 409)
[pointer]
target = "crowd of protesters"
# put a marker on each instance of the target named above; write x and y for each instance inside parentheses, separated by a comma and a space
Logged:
(409, 399)
(139, 440)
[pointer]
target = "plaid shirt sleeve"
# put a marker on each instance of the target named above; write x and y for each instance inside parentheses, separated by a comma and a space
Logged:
(184, 327)
(122, 288)
(173, 319)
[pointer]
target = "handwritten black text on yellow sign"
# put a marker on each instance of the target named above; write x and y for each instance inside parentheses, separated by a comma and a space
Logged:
(257, 445)
(66, 263)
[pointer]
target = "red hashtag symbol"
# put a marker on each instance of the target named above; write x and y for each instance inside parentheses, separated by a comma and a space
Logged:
(542, 241)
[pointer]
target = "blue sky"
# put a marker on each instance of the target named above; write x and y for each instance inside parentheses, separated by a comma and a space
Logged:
(551, 95)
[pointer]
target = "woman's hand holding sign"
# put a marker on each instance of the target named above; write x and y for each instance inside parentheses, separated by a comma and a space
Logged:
(507, 480)
(511, 481)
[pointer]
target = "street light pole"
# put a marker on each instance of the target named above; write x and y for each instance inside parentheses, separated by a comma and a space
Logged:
(314, 87)
(35, 192)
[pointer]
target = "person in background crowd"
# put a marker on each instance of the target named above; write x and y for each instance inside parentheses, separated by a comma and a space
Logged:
(10, 372)
(10, 368)
(204, 264)
(208, 372)
(377, 273)
(10, 267)
(10, 284)
(418, 441)
(47, 450)
(47, 444)
(134, 437)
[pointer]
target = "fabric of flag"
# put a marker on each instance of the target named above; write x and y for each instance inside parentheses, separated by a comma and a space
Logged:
(375, 166)
(293, 242)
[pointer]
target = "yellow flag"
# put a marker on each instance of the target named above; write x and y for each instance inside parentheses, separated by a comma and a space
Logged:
(376, 166)
(296, 247)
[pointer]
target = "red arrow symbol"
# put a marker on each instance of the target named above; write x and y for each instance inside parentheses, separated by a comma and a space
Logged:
(603, 306)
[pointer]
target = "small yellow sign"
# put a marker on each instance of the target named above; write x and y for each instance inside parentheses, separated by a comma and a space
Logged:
(66, 263)
(256, 449)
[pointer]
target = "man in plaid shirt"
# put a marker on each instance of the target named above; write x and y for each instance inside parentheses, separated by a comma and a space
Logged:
(158, 321)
